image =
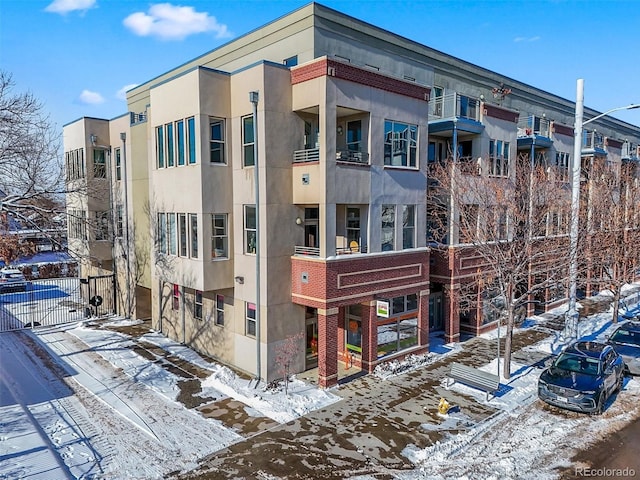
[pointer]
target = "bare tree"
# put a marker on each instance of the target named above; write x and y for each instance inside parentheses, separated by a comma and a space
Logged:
(513, 219)
(612, 216)
(286, 353)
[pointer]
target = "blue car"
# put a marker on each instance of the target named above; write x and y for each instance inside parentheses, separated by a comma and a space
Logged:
(582, 377)
(626, 341)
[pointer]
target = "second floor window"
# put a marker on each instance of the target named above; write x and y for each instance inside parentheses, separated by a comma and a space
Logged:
(247, 142)
(216, 140)
(400, 144)
(498, 158)
(160, 146)
(180, 142)
(99, 163)
(170, 145)
(250, 232)
(408, 226)
(182, 229)
(388, 227)
(193, 229)
(219, 236)
(118, 156)
(191, 140)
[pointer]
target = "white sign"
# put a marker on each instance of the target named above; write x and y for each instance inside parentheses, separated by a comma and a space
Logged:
(382, 308)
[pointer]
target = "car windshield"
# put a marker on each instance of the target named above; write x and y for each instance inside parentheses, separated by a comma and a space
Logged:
(625, 336)
(578, 364)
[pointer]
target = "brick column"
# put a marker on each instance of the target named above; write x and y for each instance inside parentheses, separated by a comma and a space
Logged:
(369, 336)
(327, 347)
(452, 320)
(423, 318)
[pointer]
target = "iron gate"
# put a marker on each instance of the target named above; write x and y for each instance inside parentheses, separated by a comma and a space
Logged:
(55, 301)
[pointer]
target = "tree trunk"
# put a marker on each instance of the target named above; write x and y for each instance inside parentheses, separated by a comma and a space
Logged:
(616, 305)
(507, 345)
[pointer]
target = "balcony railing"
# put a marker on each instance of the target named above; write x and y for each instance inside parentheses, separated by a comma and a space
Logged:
(351, 156)
(306, 251)
(454, 105)
(533, 125)
(592, 139)
(307, 155)
(630, 150)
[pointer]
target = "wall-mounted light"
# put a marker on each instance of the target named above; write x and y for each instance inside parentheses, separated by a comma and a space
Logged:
(298, 221)
(239, 280)
(340, 130)
(481, 97)
(94, 138)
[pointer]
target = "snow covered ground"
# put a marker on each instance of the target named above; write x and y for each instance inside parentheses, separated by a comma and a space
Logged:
(117, 414)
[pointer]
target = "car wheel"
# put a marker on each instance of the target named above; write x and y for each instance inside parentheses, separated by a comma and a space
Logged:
(600, 404)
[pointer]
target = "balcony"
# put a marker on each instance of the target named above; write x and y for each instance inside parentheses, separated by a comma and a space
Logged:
(593, 143)
(306, 155)
(351, 156)
(454, 112)
(630, 151)
(534, 130)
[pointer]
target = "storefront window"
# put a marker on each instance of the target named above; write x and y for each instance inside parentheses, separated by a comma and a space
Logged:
(396, 336)
(354, 327)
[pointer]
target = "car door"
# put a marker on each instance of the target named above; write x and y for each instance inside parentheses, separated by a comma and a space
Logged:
(609, 372)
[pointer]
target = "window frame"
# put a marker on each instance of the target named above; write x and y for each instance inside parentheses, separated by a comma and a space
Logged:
(248, 146)
(183, 236)
(170, 145)
(118, 163)
(160, 147)
(250, 322)
(219, 310)
(393, 146)
(406, 228)
(248, 230)
(217, 144)
(193, 235)
(391, 227)
(180, 143)
(224, 236)
(175, 304)
(191, 141)
(197, 304)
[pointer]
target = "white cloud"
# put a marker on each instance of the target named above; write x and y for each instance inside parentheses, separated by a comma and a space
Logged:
(91, 98)
(122, 93)
(66, 6)
(171, 22)
(526, 39)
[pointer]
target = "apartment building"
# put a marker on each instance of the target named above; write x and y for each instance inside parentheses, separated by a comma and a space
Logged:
(275, 188)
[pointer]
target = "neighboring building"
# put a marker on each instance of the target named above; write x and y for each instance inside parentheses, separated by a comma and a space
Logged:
(345, 133)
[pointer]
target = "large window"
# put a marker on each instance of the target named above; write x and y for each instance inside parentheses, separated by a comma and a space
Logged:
(251, 319)
(99, 163)
(247, 142)
(77, 224)
(191, 139)
(219, 309)
(197, 305)
(400, 144)
(396, 334)
(160, 146)
(353, 226)
(182, 229)
(388, 227)
(498, 158)
(193, 228)
(170, 145)
(171, 233)
(216, 140)
(118, 156)
(102, 226)
(219, 241)
(74, 163)
(180, 142)
(250, 233)
(408, 226)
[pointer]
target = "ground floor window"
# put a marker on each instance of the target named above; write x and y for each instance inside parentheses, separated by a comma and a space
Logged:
(251, 319)
(354, 328)
(220, 310)
(397, 335)
(197, 305)
(176, 297)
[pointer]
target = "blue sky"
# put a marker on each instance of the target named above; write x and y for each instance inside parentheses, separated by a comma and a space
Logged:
(77, 56)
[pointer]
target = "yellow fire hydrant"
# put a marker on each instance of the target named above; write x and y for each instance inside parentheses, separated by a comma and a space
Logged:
(443, 407)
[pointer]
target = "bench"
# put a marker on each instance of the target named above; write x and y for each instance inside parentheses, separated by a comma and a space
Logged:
(485, 381)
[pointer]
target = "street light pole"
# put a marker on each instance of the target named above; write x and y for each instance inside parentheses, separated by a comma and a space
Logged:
(572, 314)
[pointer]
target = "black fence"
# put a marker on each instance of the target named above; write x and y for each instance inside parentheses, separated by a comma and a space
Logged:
(55, 301)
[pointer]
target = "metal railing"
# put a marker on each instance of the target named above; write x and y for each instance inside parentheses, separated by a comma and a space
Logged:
(351, 156)
(454, 105)
(592, 139)
(306, 251)
(533, 125)
(307, 155)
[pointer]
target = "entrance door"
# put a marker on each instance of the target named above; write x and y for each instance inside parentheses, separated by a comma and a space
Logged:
(436, 312)
(311, 358)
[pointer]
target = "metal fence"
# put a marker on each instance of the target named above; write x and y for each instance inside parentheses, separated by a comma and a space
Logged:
(55, 301)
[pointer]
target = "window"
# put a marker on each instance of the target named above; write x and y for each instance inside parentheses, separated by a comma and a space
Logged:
(388, 227)
(171, 233)
(251, 319)
(562, 163)
(197, 305)
(118, 164)
(102, 226)
(175, 304)
(353, 226)
(248, 142)
(191, 139)
(160, 146)
(250, 229)
(182, 229)
(170, 145)
(193, 225)
(354, 136)
(77, 225)
(180, 141)
(468, 223)
(219, 236)
(408, 226)
(162, 233)
(437, 94)
(400, 144)
(99, 163)
(498, 158)
(219, 309)
(291, 61)
(216, 140)
(119, 220)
